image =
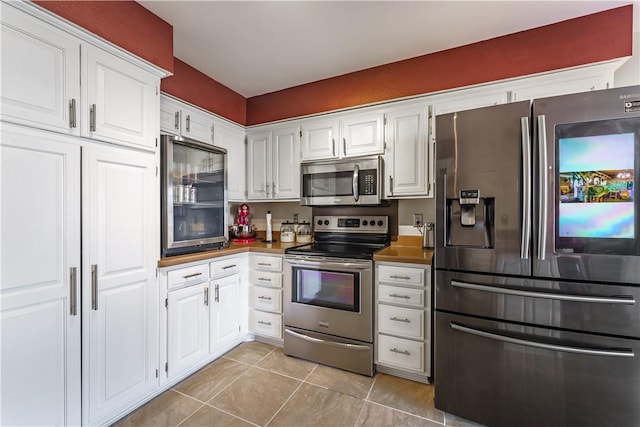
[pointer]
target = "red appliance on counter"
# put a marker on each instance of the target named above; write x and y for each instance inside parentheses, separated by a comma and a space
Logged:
(243, 231)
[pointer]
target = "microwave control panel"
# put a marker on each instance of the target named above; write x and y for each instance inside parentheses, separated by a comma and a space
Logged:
(368, 182)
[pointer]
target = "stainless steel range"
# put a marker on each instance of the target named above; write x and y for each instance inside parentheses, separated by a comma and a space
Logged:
(328, 288)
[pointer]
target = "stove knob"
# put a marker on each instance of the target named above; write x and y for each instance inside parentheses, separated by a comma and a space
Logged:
(319, 222)
(372, 222)
(326, 222)
(364, 222)
(380, 223)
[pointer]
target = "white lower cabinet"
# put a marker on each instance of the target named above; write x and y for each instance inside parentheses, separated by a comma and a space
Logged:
(265, 298)
(188, 327)
(403, 320)
(202, 314)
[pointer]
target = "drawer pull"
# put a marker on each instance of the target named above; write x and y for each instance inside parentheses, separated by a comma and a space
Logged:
(262, 322)
(264, 264)
(226, 267)
(395, 350)
(400, 277)
(189, 276)
(263, 297)
(397, 319)
(264, 279)
(400, 296)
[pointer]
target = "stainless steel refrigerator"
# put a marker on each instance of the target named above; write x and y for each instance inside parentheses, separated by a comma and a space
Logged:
(537, 261)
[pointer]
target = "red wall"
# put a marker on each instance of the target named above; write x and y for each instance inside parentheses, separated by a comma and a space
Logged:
(124, 23)
(591, 38)
(191, 85)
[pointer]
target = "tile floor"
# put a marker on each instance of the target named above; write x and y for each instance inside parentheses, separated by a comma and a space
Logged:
(255, 384)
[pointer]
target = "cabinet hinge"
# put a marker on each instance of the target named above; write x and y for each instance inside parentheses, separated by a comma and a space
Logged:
(156, 373)
(166, 302)
(156, 268)
(384, 120)
(166, 367)
(156, 175)
(300, 133)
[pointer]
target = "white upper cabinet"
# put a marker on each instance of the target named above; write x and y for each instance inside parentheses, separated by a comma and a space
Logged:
(341, 136)
(179, 118)
(408, 155)
(40, 73)
(273, 163)
(362, 134)
(319, 139)
(121, 100)
(231, 138)
(114, 98)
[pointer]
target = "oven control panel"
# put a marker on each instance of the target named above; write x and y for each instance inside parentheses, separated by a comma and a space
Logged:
(352, 224)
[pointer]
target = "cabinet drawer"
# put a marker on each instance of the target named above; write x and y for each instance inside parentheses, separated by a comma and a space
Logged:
(407, 322)
(404, 275)
(266, 324)
(187, 276)
(401, 353)
(224, 267)
(269, 299)
(266, 278)
(398, 295)
(266, 263)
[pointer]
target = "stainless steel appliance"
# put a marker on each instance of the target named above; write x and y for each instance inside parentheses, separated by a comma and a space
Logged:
(328, 292)
(356, 181)
(538, 261)
(194, 196)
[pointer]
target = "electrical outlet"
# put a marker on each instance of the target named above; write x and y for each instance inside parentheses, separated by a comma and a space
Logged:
(417, 220)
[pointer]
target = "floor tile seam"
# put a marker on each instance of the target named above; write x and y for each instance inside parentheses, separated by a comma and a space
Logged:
(406, 412)
(284, 403)
(280, 373)
(191, 414)
(229, 413)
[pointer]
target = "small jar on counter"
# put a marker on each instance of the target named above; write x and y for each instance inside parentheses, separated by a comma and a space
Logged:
(287, 232)
(304, 233)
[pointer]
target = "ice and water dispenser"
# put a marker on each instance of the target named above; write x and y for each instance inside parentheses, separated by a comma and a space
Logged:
(470, 219)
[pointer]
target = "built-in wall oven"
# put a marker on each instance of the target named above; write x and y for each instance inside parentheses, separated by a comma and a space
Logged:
(328, 307)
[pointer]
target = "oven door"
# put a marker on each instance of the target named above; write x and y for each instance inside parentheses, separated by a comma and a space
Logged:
(329, 295)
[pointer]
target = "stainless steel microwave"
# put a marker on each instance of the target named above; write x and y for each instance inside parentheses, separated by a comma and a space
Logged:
(346, 182)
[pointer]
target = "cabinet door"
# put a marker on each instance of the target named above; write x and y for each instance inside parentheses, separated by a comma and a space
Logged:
(232, 140)
(285, 169)
(319, 139)
(40, 73)
(197, 125)
(120, 246)
(121, 100)
(188, 327)
(40, 247)
(406, 157)
(259, 185)
(362, 134)
(224, 326)
(170, 115)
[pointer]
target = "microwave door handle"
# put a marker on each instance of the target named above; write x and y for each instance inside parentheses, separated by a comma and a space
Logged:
(356, 173)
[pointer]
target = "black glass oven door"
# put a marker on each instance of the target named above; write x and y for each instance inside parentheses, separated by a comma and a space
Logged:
(325, 288)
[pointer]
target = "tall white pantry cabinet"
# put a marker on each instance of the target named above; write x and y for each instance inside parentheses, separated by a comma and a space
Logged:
(79, 224)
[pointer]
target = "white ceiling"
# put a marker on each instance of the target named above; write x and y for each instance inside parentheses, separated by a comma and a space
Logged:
(257, 47)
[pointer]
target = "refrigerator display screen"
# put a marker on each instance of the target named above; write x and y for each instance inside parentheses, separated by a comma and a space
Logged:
(596, 186)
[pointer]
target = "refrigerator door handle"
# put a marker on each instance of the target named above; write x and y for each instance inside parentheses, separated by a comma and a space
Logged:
(542, 193)
(621, 299)
(526, 188)
(536, 344)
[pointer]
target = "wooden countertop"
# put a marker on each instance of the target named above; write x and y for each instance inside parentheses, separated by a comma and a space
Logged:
(405, 249)
(233, 248)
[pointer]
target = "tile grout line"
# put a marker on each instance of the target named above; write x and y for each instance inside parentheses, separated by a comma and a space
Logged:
(292, 394)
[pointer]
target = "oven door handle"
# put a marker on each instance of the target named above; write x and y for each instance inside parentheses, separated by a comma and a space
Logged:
(326, 263)
(329, 343)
